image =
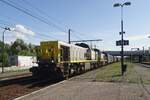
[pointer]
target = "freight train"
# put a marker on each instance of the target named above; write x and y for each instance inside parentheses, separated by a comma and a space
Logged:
(57, 59)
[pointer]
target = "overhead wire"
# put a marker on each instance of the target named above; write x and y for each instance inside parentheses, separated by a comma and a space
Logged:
(18, 5)
(6, 23)
(75, 35)
(44, 35)
(30, 14)
(40, 36)
(81, 34)
(34, 13)
(2, 27)
(43, 13)
(11, 24)
(40, 16)
(3, 22)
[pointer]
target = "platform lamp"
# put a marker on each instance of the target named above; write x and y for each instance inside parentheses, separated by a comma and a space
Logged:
(3, 46)
(122, 32)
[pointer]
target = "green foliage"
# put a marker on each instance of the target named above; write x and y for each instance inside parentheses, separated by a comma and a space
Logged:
(112, 73)
(5, 55)
(26, 53)
(5, 58)
(18, 47)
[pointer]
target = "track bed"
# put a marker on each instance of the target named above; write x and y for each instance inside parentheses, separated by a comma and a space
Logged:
(12, 88)
(22, 85)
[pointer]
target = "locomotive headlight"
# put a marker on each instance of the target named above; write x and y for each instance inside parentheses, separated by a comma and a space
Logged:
(52, 61)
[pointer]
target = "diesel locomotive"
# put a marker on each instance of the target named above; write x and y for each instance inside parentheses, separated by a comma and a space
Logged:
(57, 59)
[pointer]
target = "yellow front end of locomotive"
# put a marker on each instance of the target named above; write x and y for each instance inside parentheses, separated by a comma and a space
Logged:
(49, 50)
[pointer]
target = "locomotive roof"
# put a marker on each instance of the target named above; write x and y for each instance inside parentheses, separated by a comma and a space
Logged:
(84, 45)
(56, 41)
(63, 43)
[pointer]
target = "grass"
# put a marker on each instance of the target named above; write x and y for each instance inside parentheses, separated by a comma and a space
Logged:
(109, 73)
(112, 73)
(131, 75)
(138, 74)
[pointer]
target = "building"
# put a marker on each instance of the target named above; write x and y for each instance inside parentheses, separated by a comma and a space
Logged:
(22, 61)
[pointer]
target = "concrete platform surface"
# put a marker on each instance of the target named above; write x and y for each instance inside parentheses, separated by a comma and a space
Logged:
(81, 90)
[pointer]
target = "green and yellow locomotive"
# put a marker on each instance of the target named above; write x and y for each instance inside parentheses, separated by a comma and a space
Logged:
(57, 59)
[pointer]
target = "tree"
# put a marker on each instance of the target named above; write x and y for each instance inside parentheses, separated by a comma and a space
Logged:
(19, 47)
(5, 55)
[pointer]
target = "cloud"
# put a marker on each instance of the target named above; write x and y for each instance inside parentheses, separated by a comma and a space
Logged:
(21, 36)
(138, 37)
(21, 32)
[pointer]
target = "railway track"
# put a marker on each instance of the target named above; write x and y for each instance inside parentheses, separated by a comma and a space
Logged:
(25, 85)
(21, 85)
(14, 76)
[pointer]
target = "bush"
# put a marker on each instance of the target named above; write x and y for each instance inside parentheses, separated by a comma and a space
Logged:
(26, 53)
(6, 62)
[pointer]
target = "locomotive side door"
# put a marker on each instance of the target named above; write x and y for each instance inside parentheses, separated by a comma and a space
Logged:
(64, 53)
(65, 58)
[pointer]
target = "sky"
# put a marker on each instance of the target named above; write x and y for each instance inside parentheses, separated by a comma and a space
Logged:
(87, 19)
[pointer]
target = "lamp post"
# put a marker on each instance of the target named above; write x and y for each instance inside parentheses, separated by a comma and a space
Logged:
(69, 31)
(149, 51)
(122, 32)
(3, 47)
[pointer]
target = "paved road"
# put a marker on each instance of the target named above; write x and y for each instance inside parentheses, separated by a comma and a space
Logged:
(75, 89)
